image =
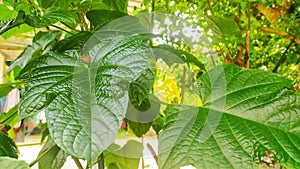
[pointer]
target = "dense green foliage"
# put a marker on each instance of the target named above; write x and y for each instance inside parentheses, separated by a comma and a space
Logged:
(92, 66)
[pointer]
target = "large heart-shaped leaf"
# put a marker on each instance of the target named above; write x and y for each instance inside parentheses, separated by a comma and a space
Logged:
(6, 162)
(85, 100)
(245, 114)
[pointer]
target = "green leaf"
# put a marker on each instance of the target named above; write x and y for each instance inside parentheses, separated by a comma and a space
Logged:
(34, 50)
(54, 157)
(73, 42)
(6, 162)
(10, 117)
(6, 13)
(58, 3)
(85, 103)
(118, 5)
(99, 18)
(140, 117)
(51, 16)
(46, 3)
(127, 157)
(171, 55)
(139, 129)
(158, 124)
(7, 147)
(224, 26)
(23, 28)
(143, 107)
(92, 5)
(245, 114)
(126, 25)
(146, 112)
(45, 132)
(9, 24)
(5, 89)
(140, 88)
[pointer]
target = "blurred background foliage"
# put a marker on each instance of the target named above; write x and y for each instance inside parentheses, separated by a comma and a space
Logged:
(273, 26)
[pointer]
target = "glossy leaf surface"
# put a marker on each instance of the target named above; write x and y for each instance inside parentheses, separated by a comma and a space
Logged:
(241, 119)
(85, 101)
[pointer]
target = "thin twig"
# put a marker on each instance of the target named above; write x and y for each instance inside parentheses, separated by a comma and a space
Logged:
(283, 57)
(152, 152)
(183, 84)
(62, 29)
(209, 6)
(247, 55)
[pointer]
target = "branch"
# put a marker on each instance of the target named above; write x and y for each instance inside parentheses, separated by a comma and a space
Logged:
(209, 6)
(62, 29)
(280, 33)
(77, 162)
(152, 152)
(183, 84)
(271, 30)
(247, 54)
(283, 57)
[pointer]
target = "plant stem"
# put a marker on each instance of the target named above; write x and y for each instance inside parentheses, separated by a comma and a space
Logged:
(41, 156)
(210, 8)
(183, 84)
(101, 161)
(31, 144)
(143, 163)
(77, 162)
